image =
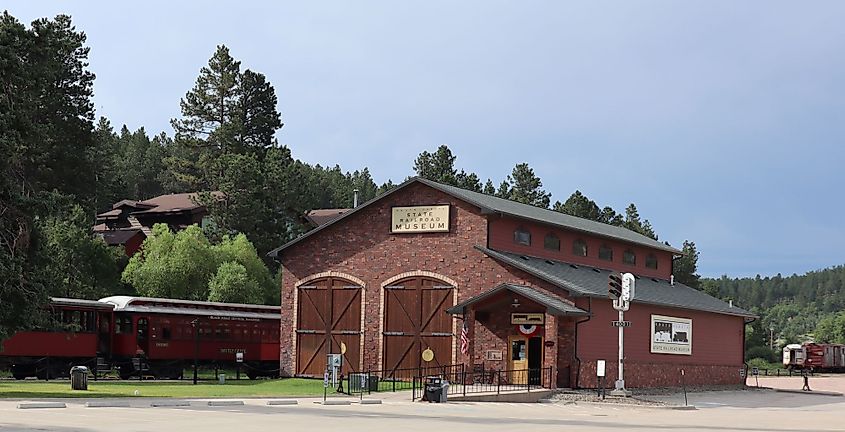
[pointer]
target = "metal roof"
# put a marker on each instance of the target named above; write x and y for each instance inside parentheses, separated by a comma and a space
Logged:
(62, 301)
(123, 302)
(588, 281)
(154, 309)
(491, 205)
(554, 304)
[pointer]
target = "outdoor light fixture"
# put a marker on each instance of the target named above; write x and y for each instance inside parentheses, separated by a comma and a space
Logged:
(515, 303)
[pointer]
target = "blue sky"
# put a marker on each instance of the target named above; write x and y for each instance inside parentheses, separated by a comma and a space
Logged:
(722, 121)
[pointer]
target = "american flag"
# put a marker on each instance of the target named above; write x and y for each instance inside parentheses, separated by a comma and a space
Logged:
(464, 339)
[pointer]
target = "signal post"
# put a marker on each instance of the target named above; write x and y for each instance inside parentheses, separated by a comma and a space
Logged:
(620, 289)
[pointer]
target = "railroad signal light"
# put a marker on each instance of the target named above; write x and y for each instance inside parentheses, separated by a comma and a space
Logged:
(614, 286)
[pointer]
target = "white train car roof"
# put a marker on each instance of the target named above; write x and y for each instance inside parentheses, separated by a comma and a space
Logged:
(80, 303)
(191, 307)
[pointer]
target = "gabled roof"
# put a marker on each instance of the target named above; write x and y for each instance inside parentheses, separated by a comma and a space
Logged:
(582, 280)
(119, 236)
(493, 205)
(323, 216)
(554, 304)
(173, 203)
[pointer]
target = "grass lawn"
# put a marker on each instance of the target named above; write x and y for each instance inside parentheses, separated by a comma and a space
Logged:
(260, 388)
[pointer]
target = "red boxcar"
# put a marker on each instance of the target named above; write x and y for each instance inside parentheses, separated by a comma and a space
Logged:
(80, 337)
(815, 356)
(162, 336)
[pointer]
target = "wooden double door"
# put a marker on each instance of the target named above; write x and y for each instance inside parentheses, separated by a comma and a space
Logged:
(416, 325)
(328, 322)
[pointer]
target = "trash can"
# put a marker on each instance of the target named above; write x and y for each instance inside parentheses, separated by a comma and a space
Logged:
(221, 379)
(373, 383)
(435, 390)
(79, 378)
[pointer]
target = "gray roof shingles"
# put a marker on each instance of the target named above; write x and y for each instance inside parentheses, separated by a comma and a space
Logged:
(491, 204)
(582, 280)
(554, 305)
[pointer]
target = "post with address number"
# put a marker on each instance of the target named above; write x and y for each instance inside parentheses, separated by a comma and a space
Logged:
(621, 290)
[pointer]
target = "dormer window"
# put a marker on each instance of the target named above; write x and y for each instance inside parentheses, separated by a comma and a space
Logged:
(551, 242)
(522, 236)
(651, 261)
(629, 257)
(579, 248)
(605, 253)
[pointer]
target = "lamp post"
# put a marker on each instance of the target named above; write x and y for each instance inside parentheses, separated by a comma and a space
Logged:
(194, 324)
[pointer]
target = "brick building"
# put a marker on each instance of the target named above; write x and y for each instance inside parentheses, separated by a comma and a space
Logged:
(399, 277)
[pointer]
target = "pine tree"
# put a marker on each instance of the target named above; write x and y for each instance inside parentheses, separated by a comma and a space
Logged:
(526, 187)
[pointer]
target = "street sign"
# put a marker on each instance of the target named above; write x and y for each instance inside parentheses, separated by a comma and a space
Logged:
(600, 368)
(621, 323)
(326, 379)
(755, 371)
(239, 357)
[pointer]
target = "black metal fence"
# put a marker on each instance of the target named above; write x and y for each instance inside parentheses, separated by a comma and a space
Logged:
(782, 372)
(394, 379)
(489, 381)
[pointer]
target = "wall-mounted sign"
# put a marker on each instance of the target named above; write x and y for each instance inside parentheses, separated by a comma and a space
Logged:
(671, 335)
(528, 318)
(600, 368)
(420, 219)
(493, 355)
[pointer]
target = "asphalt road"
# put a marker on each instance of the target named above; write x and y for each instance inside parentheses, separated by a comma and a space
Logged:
(747, 411)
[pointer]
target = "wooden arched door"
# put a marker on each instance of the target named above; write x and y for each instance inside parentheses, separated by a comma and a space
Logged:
(415, 320)
(328, 318)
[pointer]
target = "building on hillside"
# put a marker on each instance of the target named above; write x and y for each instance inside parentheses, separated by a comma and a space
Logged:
(392, 283)
(129, 222)
(318, 217)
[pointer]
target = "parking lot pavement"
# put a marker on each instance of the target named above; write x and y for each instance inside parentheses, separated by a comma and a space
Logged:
(832, 383)
(763, 411)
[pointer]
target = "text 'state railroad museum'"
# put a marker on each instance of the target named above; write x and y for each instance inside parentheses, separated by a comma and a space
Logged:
(400, 275)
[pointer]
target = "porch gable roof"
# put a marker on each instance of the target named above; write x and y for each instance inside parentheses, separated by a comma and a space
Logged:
(554, 305)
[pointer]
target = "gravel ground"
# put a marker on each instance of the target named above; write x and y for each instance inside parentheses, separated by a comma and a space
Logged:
(642, 397)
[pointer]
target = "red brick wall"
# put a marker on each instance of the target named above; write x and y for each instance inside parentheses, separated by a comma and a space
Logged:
(717, 346)
(362, 246)
(501, 238)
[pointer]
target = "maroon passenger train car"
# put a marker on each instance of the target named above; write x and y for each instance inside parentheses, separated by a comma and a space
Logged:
(47, 353)
(150, 336)
(157, 334)
(822, 357)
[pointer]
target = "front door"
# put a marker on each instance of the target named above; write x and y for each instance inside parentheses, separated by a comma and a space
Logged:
(518, 359)
(526, 359)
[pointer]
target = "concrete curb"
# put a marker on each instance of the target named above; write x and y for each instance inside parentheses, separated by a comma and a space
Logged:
(37, 405)
(370, 401)
(107, 404)
(283, 402)
(811, 392)
(176, 403)
(225, 403)
(335, 402)
(660, 407)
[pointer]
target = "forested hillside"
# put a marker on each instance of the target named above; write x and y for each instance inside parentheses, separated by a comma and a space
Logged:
(792, 309)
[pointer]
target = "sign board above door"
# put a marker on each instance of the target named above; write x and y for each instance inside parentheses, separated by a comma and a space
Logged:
(528, 318)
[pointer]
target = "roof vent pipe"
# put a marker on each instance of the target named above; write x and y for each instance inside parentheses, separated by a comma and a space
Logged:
(672, 280)
(730, 303)
(354, 198)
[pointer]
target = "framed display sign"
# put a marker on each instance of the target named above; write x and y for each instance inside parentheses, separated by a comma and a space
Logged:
(419, 219)
(671, 335)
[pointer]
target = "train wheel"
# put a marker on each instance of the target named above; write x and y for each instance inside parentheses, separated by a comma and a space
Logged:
(125, 372)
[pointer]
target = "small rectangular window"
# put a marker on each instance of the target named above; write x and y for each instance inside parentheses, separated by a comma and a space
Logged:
(605, 253)
(165, 333)
(629, 257)
(551, 242)
(522, 236)
(651, 261)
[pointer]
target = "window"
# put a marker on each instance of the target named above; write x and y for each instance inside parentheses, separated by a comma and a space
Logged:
(605, 253)
(123, 325)
(522, 236)
(551, 242)
(165, 333)
(651, 261)
(579, 248)
(629, 257)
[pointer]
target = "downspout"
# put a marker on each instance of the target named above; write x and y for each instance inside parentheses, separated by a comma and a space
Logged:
(578, 359)
(744, 323)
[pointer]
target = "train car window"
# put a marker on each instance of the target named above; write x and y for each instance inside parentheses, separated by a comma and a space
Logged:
(89, 322)
(165, 333)
(143, 328)
(217, 333)
(227, 334)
